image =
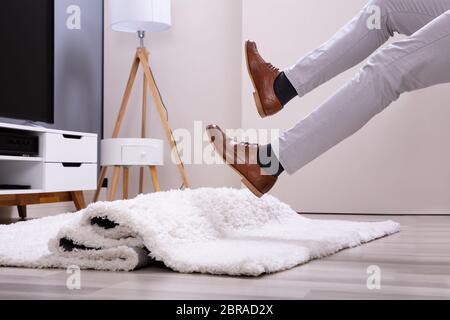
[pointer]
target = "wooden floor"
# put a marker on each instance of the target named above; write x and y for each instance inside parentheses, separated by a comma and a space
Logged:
(414, 264)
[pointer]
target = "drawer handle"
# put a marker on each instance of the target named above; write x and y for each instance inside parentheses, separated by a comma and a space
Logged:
(73, 137)
(72, 165)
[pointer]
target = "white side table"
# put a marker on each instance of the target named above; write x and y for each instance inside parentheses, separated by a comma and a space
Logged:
(126, 153)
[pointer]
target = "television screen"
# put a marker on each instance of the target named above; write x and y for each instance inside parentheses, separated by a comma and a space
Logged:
(26, 59)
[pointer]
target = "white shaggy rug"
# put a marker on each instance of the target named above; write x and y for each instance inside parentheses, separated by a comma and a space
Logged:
(217, 231)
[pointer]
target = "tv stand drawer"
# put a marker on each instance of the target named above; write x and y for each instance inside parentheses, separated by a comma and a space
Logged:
(69, 177)
(69, 148)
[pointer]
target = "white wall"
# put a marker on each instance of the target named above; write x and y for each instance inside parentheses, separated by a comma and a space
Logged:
(197, 67)
(197, 64)
(399, 163)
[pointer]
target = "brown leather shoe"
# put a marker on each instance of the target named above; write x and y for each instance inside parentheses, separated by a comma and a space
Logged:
(242, 158)
(263, 76)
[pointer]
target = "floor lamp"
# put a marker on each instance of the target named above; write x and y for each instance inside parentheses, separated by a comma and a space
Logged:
(141, 16)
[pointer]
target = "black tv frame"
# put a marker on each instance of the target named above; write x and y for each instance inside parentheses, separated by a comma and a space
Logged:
(51, 76)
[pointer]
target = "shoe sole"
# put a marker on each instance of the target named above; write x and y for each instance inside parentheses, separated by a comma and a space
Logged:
(256, 96)
(244, 180)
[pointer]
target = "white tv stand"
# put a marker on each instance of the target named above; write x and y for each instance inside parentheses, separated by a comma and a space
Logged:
(66, 165)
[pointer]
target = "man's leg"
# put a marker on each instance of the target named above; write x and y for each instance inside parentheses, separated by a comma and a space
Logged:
(420, 61)
(361, 37)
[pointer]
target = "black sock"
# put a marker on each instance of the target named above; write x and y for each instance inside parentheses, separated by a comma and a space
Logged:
(284, 90)
(268, 161)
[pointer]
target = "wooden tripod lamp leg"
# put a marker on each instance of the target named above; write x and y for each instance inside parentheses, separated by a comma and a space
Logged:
(115, 181)
(143, 129)
(126, 174)
(142, 54)
(141, 180)
(119, 121)
(126, 97)
(155, 180)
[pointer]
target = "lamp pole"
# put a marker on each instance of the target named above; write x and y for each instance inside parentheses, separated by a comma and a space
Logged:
(141, 35)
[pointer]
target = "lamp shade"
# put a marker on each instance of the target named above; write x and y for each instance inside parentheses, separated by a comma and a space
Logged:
(140, 15)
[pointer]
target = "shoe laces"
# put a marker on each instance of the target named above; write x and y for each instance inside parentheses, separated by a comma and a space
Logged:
(271, 67)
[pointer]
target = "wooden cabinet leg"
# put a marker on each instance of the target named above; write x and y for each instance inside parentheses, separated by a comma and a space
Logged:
(78, 199)
(22, 212)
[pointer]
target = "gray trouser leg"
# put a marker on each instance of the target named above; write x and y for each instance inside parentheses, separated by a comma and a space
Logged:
(356, 41)
(422, 60)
